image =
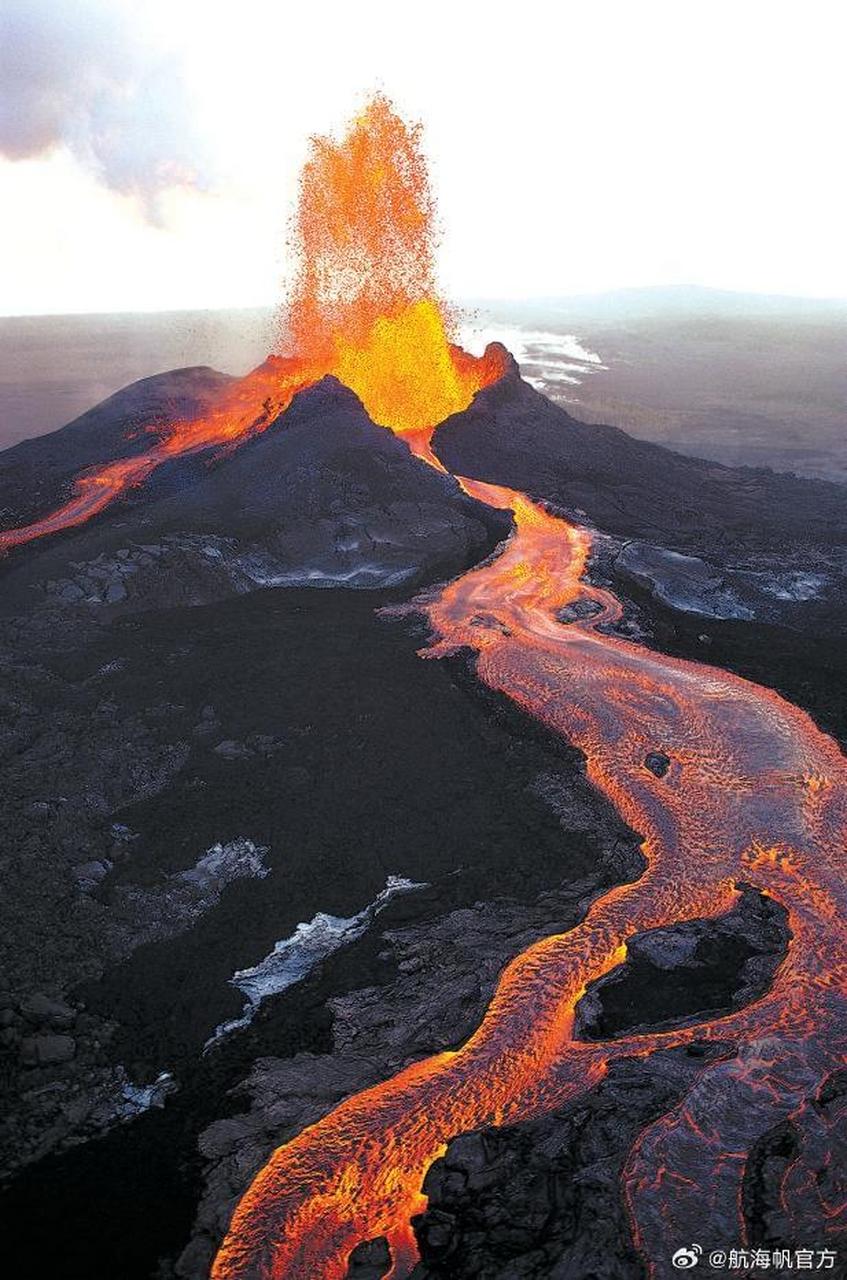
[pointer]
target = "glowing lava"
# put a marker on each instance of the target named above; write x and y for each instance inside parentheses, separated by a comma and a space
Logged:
(736, 805)
(365, 304)
(364, 308)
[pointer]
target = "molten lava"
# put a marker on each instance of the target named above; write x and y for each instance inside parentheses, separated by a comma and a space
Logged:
(365, 304)
(755, 793)
(364, 308)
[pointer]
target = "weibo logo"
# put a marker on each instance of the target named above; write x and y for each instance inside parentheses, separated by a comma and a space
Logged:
(687, 1257)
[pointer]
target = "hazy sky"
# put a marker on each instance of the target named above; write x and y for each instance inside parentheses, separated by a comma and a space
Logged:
(151, 161)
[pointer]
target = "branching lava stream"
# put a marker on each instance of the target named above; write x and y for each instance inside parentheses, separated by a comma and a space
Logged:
(755, 794)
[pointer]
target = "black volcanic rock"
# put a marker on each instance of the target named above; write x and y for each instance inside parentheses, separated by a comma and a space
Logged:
(686, 970)
(767, 588)
(325, 482)
(512, 435)
(370, 1260)
(542, 1200)
(322, 497)
(35, 475)
(657, 762)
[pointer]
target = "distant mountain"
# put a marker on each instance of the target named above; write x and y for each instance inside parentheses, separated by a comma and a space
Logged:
(657, 301)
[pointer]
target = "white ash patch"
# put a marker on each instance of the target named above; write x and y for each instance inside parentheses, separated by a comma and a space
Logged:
(534, 347)
(134, 1099)
(142, 914)
(223, 863)
(795, 585)
(693, 585)
(370, 575)
(294, 957)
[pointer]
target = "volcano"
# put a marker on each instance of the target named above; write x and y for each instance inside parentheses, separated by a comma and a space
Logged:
(364, 308)
(478, 914)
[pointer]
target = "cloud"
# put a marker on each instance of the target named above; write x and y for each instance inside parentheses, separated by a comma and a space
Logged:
(87, 77)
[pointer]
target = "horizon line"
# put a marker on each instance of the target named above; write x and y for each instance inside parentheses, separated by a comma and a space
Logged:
(825, 301)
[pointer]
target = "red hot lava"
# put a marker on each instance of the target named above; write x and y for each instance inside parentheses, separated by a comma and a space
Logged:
(755, 793)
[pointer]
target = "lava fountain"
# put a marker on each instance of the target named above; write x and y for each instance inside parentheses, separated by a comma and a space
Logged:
(364, 308)
(365, 305)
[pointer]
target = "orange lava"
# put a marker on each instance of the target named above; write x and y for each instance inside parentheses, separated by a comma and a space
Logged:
(365, 302)
(364, 308)
(754, 794)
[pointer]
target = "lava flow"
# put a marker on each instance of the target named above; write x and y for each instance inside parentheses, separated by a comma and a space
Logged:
(364, 309)
(754, 794)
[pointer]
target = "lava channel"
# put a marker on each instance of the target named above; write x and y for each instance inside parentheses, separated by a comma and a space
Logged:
(755, 793)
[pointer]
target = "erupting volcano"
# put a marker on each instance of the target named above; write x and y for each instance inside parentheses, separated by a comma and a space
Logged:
(364, 309)
(753, 794)
(365, 305)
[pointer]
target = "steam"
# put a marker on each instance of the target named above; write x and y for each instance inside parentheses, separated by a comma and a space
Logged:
(87, 78)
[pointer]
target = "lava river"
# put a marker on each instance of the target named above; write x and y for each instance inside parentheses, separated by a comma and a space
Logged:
(755, 794)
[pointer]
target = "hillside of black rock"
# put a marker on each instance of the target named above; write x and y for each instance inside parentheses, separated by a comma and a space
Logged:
(323, 496)
(36, 474)
(512, 435)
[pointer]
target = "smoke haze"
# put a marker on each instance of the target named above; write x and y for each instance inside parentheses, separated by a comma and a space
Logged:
(88, 78)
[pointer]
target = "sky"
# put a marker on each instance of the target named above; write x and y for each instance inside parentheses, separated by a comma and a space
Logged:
(150, 161)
